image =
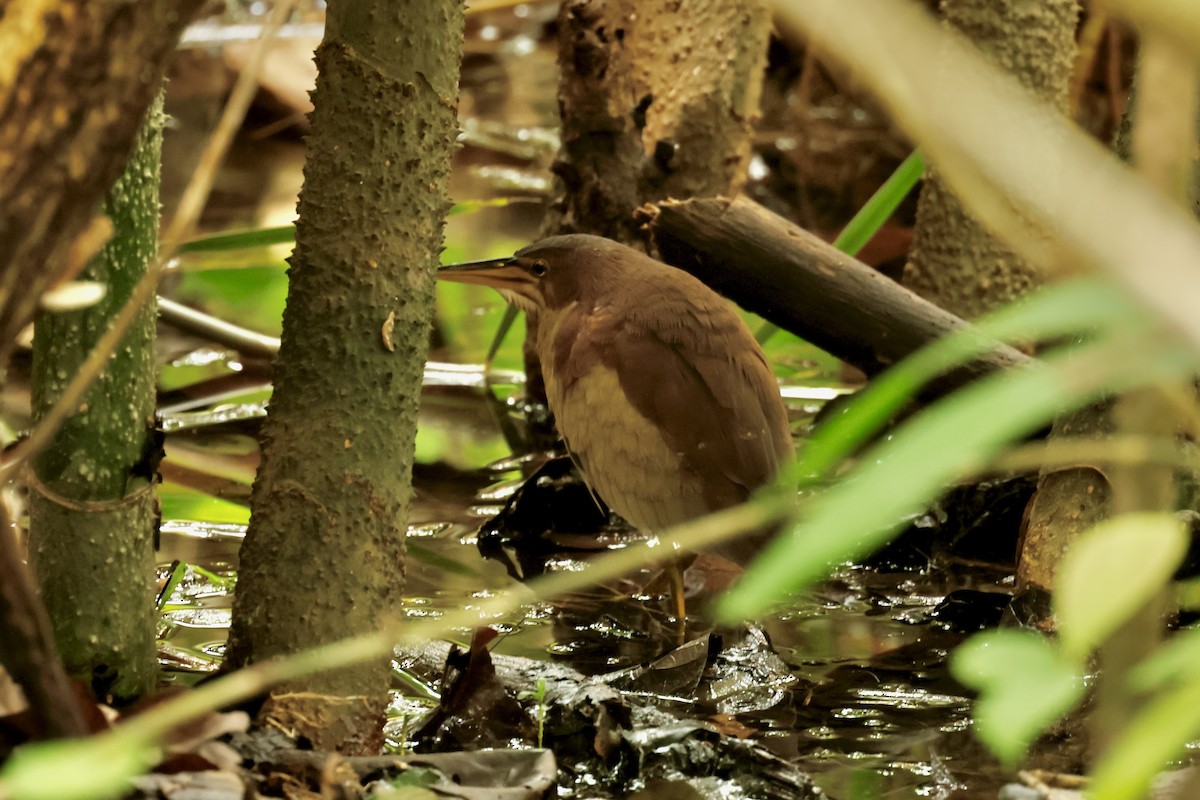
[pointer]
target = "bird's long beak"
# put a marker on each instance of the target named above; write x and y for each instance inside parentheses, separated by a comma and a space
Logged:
(494, 272)
(502, 274)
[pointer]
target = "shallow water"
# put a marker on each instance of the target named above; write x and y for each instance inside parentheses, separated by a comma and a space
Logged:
(865, 703)
(867, 706)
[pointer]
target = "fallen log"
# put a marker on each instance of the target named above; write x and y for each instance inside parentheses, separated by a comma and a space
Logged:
(803, 284)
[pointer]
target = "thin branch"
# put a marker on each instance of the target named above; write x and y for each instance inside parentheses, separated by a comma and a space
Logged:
(226, 334)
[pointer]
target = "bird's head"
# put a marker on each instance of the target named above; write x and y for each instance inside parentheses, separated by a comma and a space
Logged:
(549, 274)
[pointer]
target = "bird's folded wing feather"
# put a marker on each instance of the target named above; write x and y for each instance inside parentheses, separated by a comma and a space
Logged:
(706, 386)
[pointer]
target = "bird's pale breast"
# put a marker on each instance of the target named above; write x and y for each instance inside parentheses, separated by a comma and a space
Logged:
(622, 454)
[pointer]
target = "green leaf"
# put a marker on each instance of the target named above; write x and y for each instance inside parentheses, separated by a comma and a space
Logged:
(416, 776)
(253, 297)
(75, 769)
(1024, 685)
(1187, 594)
(241, 240)
(1155, 737)
(1112, 572)
(469, 316)
(506, 324)
(881, 205)
(1053, 313)
(947, 442)
(1178, 659)
(183, 502)
(471, 206)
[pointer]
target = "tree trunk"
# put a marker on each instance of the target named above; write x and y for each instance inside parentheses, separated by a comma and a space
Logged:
(658, 100)
(93, 513)
(324, 555)
(79, 76)
(1067, 503)
(955, 262)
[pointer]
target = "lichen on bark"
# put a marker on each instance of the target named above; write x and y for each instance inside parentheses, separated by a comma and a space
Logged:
(93, 513)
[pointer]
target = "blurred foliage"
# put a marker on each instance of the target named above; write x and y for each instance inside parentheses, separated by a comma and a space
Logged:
(251, 295)
(184, 503)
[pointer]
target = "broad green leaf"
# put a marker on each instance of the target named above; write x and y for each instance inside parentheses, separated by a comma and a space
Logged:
(1053, 313)
(446, 440)
(1024, 685)
(1176, 660)
(1155, 737)
(1112, 572)
(89, 768)
(249, 296)
(183, 502)
(945, 443)
(400, 785)
(1187, 592)
(468, 317)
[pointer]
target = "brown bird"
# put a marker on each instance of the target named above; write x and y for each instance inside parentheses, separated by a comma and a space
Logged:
(663, 397)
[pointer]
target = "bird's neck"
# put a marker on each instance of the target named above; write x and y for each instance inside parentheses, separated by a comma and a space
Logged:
(553, 341)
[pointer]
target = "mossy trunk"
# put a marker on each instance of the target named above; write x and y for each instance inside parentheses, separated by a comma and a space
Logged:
(93, 513)
(324, 555)
(955, 261)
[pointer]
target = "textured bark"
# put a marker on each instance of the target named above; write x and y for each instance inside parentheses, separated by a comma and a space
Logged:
(324, 555)
(955, 261)
(658, 100)
(76, 78)
(93, 513)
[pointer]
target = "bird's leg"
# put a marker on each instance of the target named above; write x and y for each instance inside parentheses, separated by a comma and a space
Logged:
(674, 572)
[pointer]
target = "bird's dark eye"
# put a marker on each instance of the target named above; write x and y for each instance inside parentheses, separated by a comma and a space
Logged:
(539, 268)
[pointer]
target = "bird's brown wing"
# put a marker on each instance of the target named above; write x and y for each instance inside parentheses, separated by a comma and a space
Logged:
(706, 385)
